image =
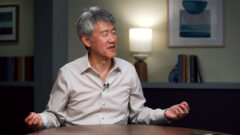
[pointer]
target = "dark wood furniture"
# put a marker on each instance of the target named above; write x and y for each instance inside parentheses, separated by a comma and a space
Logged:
(213, 107)
(121, 130)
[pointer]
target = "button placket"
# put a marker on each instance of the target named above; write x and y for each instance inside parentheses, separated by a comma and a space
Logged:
(103, 104)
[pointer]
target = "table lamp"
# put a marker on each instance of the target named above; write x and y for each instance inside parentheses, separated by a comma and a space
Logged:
(140, 41)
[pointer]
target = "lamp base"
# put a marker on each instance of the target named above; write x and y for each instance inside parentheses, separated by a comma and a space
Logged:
(141, 68)
(140, 57)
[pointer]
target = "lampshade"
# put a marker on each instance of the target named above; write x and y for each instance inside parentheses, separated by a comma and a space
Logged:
(140, 39)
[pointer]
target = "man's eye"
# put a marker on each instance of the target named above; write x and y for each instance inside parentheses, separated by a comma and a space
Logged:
(114, 32)
(104, 34)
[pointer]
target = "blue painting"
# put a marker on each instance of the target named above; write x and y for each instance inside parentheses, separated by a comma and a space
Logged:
(195, 23)
(6, 23)
(195, 19)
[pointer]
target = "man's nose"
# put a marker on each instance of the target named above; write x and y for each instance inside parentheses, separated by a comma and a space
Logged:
(112, 37)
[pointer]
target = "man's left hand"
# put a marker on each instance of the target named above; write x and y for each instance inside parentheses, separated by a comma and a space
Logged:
(177, 112)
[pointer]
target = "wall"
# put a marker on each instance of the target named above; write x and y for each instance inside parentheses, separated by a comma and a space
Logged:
(25, 45)
(50, 46)
(217, 64)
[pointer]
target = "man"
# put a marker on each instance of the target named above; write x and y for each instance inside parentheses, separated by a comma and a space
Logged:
(99, 88)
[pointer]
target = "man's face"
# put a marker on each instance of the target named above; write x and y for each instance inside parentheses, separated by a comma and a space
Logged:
(104, 40)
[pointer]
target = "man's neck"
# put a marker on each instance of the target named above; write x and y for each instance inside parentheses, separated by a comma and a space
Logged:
(101, 65)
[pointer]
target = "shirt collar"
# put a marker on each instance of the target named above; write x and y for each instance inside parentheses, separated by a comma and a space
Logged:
(85, 65)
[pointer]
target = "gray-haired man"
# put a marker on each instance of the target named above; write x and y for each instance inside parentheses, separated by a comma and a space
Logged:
(99, 88)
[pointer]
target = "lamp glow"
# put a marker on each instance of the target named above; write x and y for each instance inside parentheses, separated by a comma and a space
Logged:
(140, 39)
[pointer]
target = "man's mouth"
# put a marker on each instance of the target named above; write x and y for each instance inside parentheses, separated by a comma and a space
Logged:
(112, 47)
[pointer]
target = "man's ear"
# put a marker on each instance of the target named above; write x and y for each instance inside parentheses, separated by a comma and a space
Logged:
(86, 41)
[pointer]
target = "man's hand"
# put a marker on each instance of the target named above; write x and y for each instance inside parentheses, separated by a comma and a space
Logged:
(177, 112)
(33, 120)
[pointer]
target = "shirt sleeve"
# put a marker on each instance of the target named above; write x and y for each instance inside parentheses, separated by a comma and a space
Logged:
(55, 112)
(140, 114)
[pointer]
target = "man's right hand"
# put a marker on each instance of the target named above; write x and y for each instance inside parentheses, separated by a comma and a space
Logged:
(33, 120)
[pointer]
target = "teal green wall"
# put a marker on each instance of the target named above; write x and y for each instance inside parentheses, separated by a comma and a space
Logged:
(217, 64)
(25, 45)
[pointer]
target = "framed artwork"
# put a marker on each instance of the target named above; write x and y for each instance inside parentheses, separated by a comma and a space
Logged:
(195, 23)
(8, 23)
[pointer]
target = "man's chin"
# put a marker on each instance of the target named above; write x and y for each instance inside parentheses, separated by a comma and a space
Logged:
(112, 55)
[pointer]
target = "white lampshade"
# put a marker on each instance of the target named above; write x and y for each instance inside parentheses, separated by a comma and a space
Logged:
(140, 39)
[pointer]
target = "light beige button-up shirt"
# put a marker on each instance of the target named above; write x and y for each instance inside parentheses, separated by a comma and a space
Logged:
(79, 97)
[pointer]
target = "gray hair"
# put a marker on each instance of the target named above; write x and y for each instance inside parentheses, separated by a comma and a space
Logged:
(86, 21)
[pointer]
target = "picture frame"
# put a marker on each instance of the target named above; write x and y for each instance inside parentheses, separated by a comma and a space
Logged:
(9, 18)
(201, 26)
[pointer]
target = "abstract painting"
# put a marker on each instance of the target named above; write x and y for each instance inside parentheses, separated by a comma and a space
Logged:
(8, 23)
(195, 23)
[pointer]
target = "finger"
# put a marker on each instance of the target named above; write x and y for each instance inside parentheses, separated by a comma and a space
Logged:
(180, 111)
(184, 103)
(29, 117)
(31, 122)
(185, 107)
(39, 121)
(36, 122)
(169, 113)
(174, 111)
